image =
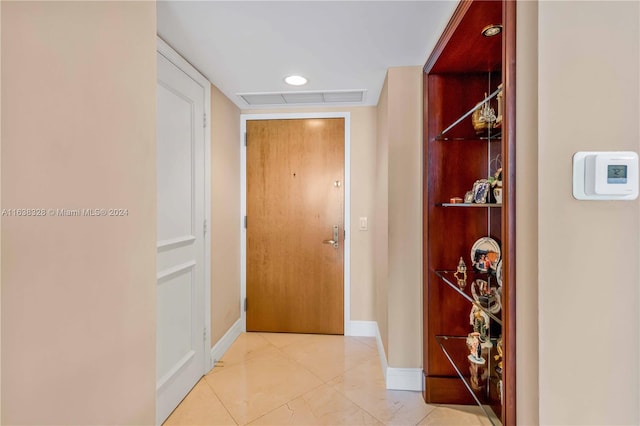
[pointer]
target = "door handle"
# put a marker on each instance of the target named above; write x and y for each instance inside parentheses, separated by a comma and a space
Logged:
(335, 242)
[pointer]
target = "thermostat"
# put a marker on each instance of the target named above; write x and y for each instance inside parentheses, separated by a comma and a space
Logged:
(611, 175)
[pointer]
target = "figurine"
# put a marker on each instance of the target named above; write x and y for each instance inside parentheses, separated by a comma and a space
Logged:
(493, 300)
(461, 274)
(480, 322)
(475, 351)
(498, 122)
(483, 117)
(497, 194)
(499, 357)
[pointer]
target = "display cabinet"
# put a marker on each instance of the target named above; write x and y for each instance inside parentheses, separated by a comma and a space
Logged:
(469, 212)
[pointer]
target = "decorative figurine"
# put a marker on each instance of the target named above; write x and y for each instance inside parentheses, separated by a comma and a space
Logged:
(500, 96)
(497, 194)
(475, 351)
(483, 117)
(486, 296)
(499, 357)
(483, 289)
(480, 322)
(496, 179)
(494, 305)
(461, 274)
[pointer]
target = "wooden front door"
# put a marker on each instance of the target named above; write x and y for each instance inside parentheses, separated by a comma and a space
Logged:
(295, 232)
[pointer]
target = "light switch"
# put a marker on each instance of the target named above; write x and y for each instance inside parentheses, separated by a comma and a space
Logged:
(363, 224)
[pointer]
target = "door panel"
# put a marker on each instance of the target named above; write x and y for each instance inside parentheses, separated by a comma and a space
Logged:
(180, 258)
(175, 162)
(295, 196)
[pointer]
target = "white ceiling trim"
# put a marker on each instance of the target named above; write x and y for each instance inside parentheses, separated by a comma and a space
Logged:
(324, 97)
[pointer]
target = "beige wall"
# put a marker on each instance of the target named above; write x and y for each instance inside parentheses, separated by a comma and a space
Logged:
(398, 224)
(588, 250)
(78, 296)
(527, 213)
(0, 219)
(381, 217)
(363, 145)
(225, 214)
(404, 121)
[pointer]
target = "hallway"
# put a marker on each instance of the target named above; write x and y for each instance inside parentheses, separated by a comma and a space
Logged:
(296, 379)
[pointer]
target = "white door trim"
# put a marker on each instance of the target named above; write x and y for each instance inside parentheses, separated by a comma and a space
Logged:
(347, 204)
(167, 51)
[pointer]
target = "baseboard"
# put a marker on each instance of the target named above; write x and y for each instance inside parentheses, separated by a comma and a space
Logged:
(381, 353)
(222, 345)
(362, 329)
(408, 379)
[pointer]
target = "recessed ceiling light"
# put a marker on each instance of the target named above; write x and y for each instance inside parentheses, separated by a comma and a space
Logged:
(492, 30)
(295, 80)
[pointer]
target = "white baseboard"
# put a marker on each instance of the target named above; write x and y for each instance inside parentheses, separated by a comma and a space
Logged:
(407, 379)
(362, 329)
(225, 342)
(381, 353)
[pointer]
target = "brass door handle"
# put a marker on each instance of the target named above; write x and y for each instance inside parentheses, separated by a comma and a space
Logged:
(335, 241)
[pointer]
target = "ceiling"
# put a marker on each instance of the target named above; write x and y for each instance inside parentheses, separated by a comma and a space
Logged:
(343, 48)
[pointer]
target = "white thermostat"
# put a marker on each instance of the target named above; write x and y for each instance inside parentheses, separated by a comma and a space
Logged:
(611, 175)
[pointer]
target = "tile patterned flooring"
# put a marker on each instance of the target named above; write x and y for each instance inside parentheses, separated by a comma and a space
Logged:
(302, 379)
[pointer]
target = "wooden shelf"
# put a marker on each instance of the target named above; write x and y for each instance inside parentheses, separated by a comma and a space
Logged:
(496, 138)
(470, 205)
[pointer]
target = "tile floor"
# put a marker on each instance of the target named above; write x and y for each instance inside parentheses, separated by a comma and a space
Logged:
(302, 379)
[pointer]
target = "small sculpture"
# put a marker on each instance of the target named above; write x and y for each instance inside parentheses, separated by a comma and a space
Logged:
(499, 357)
(480, 322)
(497, 194)
(475, 351)
(496, 181)
(500, 97)
(483, 117)
(461, 274)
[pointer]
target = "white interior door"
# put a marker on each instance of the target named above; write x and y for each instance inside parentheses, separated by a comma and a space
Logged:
(181, 330)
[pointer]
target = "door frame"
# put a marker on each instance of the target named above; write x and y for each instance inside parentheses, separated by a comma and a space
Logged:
(162, 48)
(347, 204)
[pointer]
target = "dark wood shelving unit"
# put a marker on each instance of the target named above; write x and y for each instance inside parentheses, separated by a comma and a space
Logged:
(464, 69)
